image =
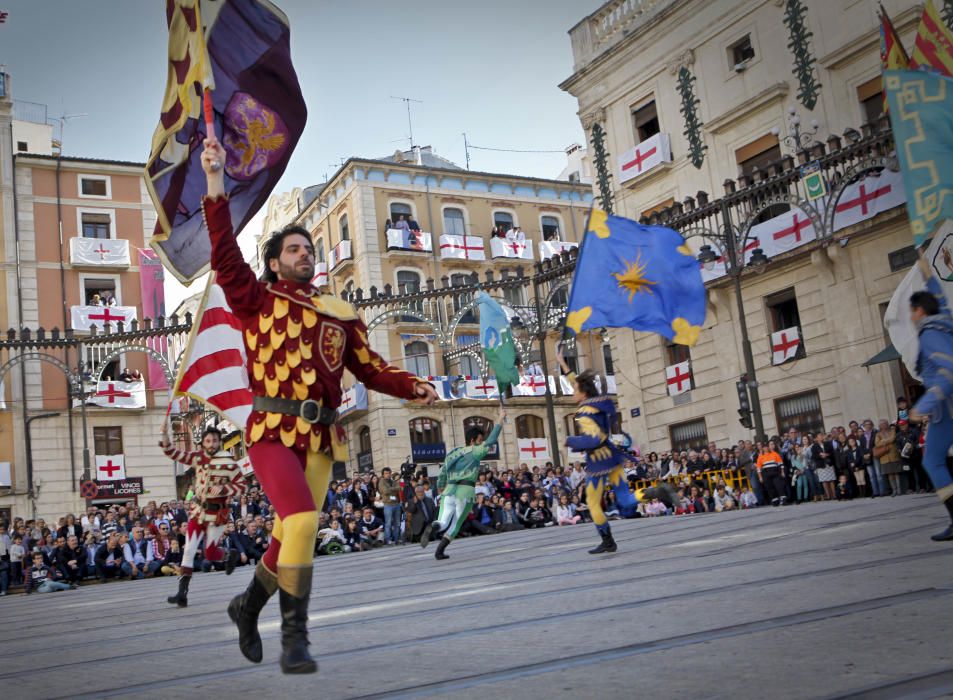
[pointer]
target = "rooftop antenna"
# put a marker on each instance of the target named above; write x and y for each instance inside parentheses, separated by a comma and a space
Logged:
(466, 149)
(62, 120)
(410, 124)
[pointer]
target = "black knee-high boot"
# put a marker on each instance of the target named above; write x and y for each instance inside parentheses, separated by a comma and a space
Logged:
(182, 597)
(947, 534)
(608, 544)
(244, 610)
(294, 594)
(440, 549)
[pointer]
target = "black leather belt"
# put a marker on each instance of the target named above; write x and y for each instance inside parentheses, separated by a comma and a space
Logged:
(461, 483)
(308, 410)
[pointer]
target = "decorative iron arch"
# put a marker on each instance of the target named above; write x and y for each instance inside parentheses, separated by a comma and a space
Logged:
(470, 305)
(775, 200)
(852, 175)
(477, 356)
(562, 284)
(158, 357)
(407, 311)
(74, 380)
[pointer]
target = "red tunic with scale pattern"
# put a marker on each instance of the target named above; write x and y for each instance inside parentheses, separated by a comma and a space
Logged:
(298, 342)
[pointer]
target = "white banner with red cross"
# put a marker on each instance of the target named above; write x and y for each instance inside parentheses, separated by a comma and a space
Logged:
(868, 197)
(99, 252)
(454, 247)
(84, 317)
(511, 248)
(678, 378)
(110, 467)
(784, 232)
(530, 385)
(533, 449)
(652, 152)
(110, 394)
(482, 389)
(784, 345)
(320, 278)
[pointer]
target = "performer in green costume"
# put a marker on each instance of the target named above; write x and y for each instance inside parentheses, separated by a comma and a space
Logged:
(457, 481)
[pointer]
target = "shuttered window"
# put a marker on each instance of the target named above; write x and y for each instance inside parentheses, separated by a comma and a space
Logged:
(801, 412)
(691, 435)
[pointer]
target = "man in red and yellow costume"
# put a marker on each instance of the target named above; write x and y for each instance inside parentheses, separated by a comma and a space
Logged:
(298, 343)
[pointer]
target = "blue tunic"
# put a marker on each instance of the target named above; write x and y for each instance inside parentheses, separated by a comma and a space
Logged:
(594, 419)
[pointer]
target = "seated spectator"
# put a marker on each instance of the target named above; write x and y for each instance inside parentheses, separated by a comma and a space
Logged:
(723, 499)
(565, 512)
(71, 561)
(506, 518)
(137, 556)
(747, 499)
(41, 578)
(352, 537)
(330, 536)
(371, 528)
(535, 515)
(655, 508)
(125, 375)
(172, 561)
(254, 542)
(480, 518)
(844, 491)
(109, 558)
(70, 527)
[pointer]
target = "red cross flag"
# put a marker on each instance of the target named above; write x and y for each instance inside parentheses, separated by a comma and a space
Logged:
(638, 160)
(865, 199)
(320, 278)
(678, 378)
(511, 248)
(111, 394)
(784, 232)
(99, 252)
(461, 248)
(548, 249)
(531, 385)
(784, 345)
(482, 389)
(84, 317)
(110, 467)
(533, 449)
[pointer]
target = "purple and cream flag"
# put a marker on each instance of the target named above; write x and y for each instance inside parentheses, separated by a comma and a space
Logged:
(240, 49)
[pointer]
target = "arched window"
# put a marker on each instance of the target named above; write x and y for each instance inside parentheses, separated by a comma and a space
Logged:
(468, 365)
(462, 279)
(343, 228)
(425, 431)
(417, 355)
(364, 439)
(550, 226)
(319, 250)
(453, 221)
(398, 210)
(504, 219)
(408, 282)
(529, 426)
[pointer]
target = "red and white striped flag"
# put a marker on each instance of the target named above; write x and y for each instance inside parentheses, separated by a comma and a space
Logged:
(213, 365)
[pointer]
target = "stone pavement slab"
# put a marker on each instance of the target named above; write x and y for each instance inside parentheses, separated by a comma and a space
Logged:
(812, 601)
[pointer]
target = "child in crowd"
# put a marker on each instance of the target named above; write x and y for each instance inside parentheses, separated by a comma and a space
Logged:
(655, 508)
(844, 492)
(352, 537)
(329, 534)
(40, 578)
(747, 499)
(17, 552)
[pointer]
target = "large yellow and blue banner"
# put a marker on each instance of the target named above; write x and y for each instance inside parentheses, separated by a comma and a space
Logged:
(921, 113)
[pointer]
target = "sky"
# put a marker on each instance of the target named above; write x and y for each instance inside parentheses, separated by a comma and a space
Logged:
(490, 69)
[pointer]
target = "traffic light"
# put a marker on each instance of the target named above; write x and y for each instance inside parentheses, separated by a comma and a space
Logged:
(744, 403)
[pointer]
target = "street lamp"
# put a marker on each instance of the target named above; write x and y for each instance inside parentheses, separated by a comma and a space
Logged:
(87, 387)
(733, 246)
(798, 139)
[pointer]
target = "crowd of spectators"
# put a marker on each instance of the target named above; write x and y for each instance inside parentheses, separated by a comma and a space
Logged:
(373, 510)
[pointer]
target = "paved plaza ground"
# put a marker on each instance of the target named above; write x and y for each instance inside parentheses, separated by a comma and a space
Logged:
(845, 600)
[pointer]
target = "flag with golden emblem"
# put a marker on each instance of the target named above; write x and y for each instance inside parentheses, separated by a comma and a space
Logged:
(634, 276)
(241, 48)
(933, 48)
(892, 53)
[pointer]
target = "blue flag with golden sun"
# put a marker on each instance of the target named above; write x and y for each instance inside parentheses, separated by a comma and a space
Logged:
(634, 276)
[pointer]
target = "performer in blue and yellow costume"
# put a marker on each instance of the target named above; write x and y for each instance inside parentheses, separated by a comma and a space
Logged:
(604, 460)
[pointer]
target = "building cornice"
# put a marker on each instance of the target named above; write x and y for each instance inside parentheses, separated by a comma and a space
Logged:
(774, 93)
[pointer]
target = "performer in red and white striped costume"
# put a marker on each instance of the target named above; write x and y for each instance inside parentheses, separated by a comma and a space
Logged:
(218, 479)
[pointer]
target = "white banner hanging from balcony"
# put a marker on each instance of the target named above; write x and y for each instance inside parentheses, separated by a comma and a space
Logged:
(548, 249)
(783, 233)
(354, 399)
(784, 345)
(868, 197)
(508, 248)
(340, 252)
(530, 385)
(565, 386)
(99, 252)
(533, 449)
(461, 247)
(678, 378)
(84, 317)
(403, 239)
(482, 389)
(112, 394)
(320, 278)
(110, 467)
(652, 152)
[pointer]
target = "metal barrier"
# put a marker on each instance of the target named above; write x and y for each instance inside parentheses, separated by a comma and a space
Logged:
(736, 480)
